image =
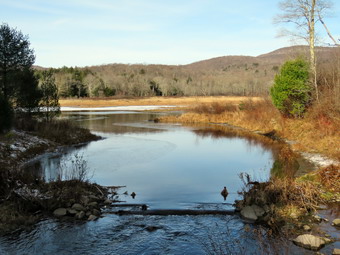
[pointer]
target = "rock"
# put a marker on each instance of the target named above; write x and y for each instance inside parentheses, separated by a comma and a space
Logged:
(84, 200)
(336, 222)
(94, 198)
(294, 216)
(88, 213)
(60, 212)
(152, 228)
(258, 210)
(78, 207)
(311, 242)
(93, 204)
(307, 228)
(80, 215)
(71, 211)
(248, 213)
(96, 212)
(92, 217)
(107, 202)
(317, 218)
(336, 251)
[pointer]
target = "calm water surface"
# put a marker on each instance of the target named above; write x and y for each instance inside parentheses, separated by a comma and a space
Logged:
(167, 166)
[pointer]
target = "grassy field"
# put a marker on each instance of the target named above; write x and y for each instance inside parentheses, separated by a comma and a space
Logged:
(177, 101)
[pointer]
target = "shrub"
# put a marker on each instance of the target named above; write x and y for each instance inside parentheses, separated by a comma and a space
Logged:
(291, 92)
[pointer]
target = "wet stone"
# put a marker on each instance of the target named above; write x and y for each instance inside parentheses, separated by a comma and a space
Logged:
(336, 251)
(60, 212)
(107, 202)
(92, 217)
(71, 211)
(80, 215)
(311, 242)
(93, 204)
(78, 207)
(96, 212)
(336, 222)
(307, 228)
(93, 198)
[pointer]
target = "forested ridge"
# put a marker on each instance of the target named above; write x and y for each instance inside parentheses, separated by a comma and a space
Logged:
(228, 75)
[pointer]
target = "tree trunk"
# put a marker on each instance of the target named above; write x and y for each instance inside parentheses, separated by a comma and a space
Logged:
(312, 47)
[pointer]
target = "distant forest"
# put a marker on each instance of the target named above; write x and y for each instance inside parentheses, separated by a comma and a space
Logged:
(229, 75)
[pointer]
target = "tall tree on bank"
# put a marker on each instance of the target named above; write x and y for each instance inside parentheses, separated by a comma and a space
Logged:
(15, 56)
(304, 14)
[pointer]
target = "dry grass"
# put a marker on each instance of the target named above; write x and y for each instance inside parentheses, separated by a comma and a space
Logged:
(177, 101)
(318, 132)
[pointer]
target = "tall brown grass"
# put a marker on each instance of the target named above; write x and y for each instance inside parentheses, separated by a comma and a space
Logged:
(317, 132)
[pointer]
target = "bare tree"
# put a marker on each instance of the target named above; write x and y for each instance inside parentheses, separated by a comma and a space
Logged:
(304, 14)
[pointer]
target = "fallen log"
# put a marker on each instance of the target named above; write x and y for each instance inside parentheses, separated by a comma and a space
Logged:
(166, 212)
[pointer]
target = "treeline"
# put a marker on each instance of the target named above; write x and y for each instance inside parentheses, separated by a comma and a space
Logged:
(230, 75)
(246, 79)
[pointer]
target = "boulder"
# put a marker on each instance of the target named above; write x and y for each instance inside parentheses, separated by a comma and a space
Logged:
(336, 251)
(92, 217)
(252, 212)
(336, 222)
(258, 210)
(60, 212)
(311, 242)
(78, 207)
(248, 213)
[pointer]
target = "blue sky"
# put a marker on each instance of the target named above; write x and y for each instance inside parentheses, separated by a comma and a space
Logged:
(94, 32)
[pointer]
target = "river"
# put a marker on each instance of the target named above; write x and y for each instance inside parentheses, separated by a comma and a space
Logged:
(167, 166)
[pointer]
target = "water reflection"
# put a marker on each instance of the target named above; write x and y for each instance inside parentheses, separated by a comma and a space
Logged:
(116, 122)
(168, 166)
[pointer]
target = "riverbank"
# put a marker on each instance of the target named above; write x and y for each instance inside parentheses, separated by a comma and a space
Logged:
(287, 205)
(24, 198)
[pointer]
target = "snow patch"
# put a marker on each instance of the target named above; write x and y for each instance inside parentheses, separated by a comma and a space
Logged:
(117, 108)
(319, 160)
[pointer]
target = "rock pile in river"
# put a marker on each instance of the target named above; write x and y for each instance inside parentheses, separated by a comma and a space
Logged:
(89, 208)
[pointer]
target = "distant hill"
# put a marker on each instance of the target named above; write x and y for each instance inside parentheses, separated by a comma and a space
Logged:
(227, 75)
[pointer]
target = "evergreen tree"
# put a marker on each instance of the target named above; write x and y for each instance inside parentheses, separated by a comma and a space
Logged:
(15, 56)
(28, 93)
(291, 92)
(50, 98)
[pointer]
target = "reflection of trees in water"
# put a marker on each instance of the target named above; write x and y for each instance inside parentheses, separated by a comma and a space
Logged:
(285, 160)
(119, 123)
